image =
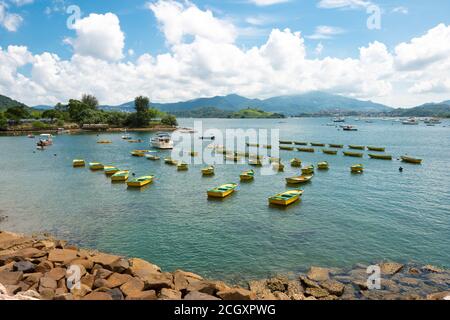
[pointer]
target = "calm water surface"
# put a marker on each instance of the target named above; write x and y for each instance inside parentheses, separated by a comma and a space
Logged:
(343, 218)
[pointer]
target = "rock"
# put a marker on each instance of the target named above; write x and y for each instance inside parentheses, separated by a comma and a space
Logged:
(60, 244)
(12, 290)
(157, 281)
(310, 298)
(390, 268)
(9, 267)
(277, 284)
(62, 255)
(389, 285)
(414, 271)
(56, 273)
(102, 273)
(47, 282)
(44, 266)
(169, 294)
(362, 285)
(208, 287)
(116, 280)
(349, 292)
(8, 240)
(183, 279)
(330, 297)
(106, 260)
(236, 294)
(308, 283)
(31, 253)
(132, 286)
(47, 293)
(298, 296)
(142, 295)
(88, 280)
(100, 283)
(281, 295)
(116, 294)
(97, 296)
(141, 268)
(439, 279)
(120, 265)
(10, 278)
(86, 263)
(195, 295)
(294, 287)
(32, 278)
(24, 266)
(318, 274)
(430, 268)
(23, 286)
(44, 244)
(80, 291)
(64, 296)
(333, 287)
(317, 292)
(410, 281)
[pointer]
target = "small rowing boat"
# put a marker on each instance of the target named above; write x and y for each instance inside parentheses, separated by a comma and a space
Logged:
(110, 170)
(120, 176)
(78, 163)
(286, 148)
(300, 143)
(306, 150)
(409, 159)
(332, 145)
(208, 171)
(286, 198)
(308, 169)
(379, 149)
(285, 142)
(152, 157)
(296, 162)
(170, 161)
(299, 179)
(380, 156)
(182, 166)
(247, 175)
(357, 168)
(353, 154)
(316, 144)
(140, 182)
(357, 147)
(95, 166)
(222, 191)
(328, 151)
(323, 165)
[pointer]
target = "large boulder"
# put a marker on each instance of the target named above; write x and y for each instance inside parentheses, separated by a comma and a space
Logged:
(141, 268)
(206, 286)
(62, 255)
(390, 268)
(56, 273)
(317, 292)
(117, 279)
(105, 260)
(318, 274)
(333, 287)
(47, 282)
(236, 294)
(9, 240)
(24, 266)
(444, 295)
(97, 296)
(195, 295)
(10, 278)
(183, 279)
(169, 294)
(157, 281)
(277, 284)
(142, 295)
(132, 286)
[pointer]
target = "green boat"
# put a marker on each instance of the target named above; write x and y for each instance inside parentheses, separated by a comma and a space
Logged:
(285, 142)
(332, 145)
(300, 143)
(286, 148)
(357, 147)
(380, 156)
(306, 150)
(353, 154)
(328, 151)
(379, 149)
(317, 144)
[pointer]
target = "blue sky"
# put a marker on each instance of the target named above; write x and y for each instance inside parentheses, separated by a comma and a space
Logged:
(328, 28)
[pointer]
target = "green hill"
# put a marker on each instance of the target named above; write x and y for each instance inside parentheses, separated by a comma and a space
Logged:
(6, 103)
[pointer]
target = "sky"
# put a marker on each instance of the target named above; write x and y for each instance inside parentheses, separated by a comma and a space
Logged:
(394, 52)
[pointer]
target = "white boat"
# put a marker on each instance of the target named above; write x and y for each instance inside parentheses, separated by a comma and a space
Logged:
(162, 140)
(339, 119)
(45, 139)
(186, 130)
(349, 128)
(410, 121)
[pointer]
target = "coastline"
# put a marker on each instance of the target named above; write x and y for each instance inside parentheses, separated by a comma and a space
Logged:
(35, 267)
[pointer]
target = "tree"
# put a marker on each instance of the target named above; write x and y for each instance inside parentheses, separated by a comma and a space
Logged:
(169, 120)
(52, 114)
(3, 121)
(17, 113)
(142, 117)
(90, 100)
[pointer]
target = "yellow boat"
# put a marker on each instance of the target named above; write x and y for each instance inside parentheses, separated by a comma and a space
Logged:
(233, 157)
(182, 166)
(140, 182)
(274, 159)
(285, 142)
(300, 143)
(353, 154)
(379, 149)
(255, 162)
(78, 163)
(95, 166)
(267, 146)
(286, 148)
(306, 149)
(278, 166)
(296, 162)
(357, 147)
(193, 153)
(135, 141)
(380, 156)
(409, 159)
(138, 153)
(120, 176)
(286, 198)
(339, 146)
(252, 144)
(104, 142)
(299, 179)
(208, 171)
(152, 157)
(357, 168)
(316, 144)
(222, 191)
(323, 165)
(247, 175)
(110, 170)
(170, 161)
(308, 169)
(328, 151)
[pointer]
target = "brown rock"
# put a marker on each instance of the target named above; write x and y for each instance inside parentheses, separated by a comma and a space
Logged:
(333, 287)
(44, 244)
(106, 260)
(361, 284)
(317, 292)
(410, 281)
(116, 294)
(47, 282)
(157, 281)
(86, 263)
(169, 294)
(100, 283)
(297, 296)
(10, 278)
(430, 268)
(132, 286)
(8, 240)
(31, 253)
(44, 266)
(116, 280)
(281, 295)
(206, 286)
(141, 268)
(318, 274)
(7, 267)
(88, 280)
(390, 268)
(56, 273)
(102, 273)
(236, 294)
(62, 255)
(195, 295)
(80, 291)
(308, 283)
(142, 295)
(120, 265)
(183, 279)
(64, 296)
(294, 287)
(47, 293)
(277, 284)
(414, 271)
(32, 278)
(12, 290)
(97, 296)
(439, 296)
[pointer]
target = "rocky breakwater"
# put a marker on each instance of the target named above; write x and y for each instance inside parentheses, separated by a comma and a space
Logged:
(39, 268)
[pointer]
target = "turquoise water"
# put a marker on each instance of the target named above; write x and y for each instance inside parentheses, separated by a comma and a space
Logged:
(343, 218)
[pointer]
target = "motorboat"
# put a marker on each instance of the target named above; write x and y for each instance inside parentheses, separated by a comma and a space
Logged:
(162, 140)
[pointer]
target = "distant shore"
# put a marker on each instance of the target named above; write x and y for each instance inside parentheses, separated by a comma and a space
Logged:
(36, 267)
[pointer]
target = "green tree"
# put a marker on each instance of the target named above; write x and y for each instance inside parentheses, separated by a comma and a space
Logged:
(3, 121)
(142, 117)
(52, 114)
(17, 113)
(169, 120)
(90, 100)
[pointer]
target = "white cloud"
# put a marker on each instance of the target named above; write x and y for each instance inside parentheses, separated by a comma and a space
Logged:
(22, 2)
(99, 36)
(211, 63)
(326, 32)
(9, 21)
(319, 49)
(402, 10)
(267, 2)
(350, 4)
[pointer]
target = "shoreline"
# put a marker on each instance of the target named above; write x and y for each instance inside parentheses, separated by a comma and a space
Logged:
(35, 267)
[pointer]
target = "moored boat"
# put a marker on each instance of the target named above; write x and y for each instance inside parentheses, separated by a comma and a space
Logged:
(104, 141)
(352, 146)
(170, 161)
(140, 182)
(208, 171)
(162, 140)
(278, 166)
(296, 162)
(286, 148)
(332, 145)
(152, 157)
(182, 166)
(300, 143)
(409, 159)
(120, 176)
(110, 170)
(317, 144)
(222, 191)
(380, 156)
(349, 128)
(247, 175)
(323, 165)
(299, 179)
(357, 168)
(308, 169)
(306, 150)
(255, 162)
(328, 151)
(379, 149)
(78, 163)
(285, 142)
(353, 154)
(138, 153)
(95, 166)
(286, 198)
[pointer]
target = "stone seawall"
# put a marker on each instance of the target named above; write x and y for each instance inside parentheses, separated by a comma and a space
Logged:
(38, 268)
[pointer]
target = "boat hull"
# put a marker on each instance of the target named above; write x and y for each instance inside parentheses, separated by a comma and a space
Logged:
(214, 194)
(332, 152)
(411, 160)
(380, 156)
(78, 163)
(353, 154)
(285, 203)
